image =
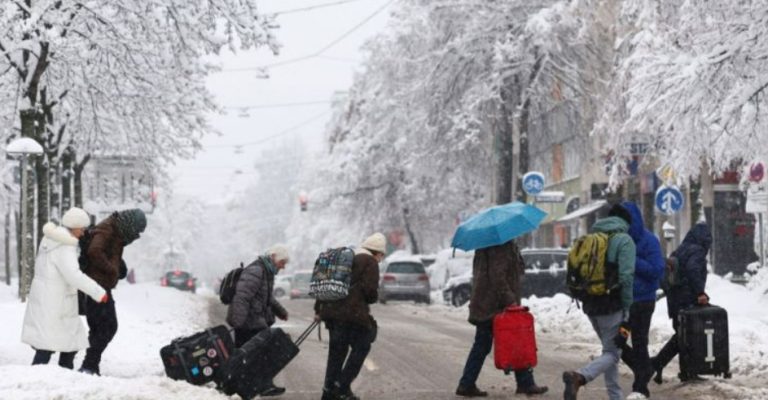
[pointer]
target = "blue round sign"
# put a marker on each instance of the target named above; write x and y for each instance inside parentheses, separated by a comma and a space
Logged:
(669, 199)
(533, 183)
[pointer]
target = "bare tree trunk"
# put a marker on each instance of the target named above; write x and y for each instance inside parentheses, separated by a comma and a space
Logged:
(78, 170)
(411, 235)
(66, 179)
(505, 152)
(28, 121)
(7, 237)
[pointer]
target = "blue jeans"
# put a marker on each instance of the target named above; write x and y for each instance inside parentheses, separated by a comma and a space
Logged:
(480, 349)
(607, 364)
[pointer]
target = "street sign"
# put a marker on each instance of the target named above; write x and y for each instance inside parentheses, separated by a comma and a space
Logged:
(550, 197)
(757, 201)
(533, 182)
(669, 199)
(756, 172)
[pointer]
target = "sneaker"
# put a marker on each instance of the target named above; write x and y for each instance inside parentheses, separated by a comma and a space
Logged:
(637, 396)
(88, 371)
(573, 381)
(532, 390)
(472, 391)
(272, 391)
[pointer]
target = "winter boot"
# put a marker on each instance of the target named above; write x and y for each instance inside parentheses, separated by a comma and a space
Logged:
(573, 382)
(532, 390)
(472, 391)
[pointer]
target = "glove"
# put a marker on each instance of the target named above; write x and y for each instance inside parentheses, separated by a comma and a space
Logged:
(104, 298)
(703, 299)
(620, 340)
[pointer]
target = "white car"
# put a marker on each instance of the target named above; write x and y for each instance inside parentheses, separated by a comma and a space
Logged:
(282, 285)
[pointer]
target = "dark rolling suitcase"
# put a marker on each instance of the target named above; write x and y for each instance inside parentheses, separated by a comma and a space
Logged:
(199, 358)
(258, 361)
(703, 342)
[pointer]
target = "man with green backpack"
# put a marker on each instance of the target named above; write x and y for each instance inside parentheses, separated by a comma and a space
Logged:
(601, 267)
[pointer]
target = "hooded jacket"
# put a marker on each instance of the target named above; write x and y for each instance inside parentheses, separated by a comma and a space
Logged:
(497, 274)
(692, 260)
(649, 261)
(621, 249)
(51, 321)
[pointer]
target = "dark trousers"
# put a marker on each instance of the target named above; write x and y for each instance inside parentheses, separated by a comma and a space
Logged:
(242, 336)
(66, 359)
(102, 322)
(480, 349)
(670, 349)
(349, 345)
(637, 357)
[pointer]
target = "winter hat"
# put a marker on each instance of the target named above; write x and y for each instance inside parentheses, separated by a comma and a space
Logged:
(130, 223)
(376, 242)
(619, 211)
(280, 252)
(75, 218)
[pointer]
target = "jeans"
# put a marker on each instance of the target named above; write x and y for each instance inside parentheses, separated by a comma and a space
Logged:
(102, 322)
(66, 359)
(349, 345)
(476, 358)
(637, 357)
(606, 327)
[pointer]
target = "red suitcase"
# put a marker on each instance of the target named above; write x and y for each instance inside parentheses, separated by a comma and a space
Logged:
(514, 340)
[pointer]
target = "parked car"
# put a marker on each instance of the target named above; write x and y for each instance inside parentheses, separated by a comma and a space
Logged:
(544, 276)
(179, 279)
(300, 284)
(282, 285)
(404, 278)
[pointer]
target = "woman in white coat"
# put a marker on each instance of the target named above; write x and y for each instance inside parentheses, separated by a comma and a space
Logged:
(51, 322)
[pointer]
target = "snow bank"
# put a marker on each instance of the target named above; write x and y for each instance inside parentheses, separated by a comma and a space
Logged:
(149, 316)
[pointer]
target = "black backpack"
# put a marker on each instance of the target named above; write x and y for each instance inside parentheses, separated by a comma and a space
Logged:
(229, 284)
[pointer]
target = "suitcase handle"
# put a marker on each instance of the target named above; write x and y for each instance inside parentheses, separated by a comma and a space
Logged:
(517, 309)
(306, 333)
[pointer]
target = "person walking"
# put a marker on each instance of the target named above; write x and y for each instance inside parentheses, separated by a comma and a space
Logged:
(686, 291)
(254, 306)
(649, 269)
(608, 313)
(351, 327)
(497, 273)
(102, 261)
(51, 321)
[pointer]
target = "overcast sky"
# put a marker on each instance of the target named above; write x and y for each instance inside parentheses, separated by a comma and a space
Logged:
(223, 167)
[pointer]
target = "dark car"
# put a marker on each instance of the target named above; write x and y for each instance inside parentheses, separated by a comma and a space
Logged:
(544, 276)
(178, 279)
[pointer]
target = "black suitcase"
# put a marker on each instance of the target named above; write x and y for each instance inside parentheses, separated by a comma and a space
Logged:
(198, 359)
(703, 342)
(258, 361)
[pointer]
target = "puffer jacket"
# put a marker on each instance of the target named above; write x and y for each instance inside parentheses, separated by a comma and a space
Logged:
(254, 306)
(497, 273)
(692, 261)
(363, 290)
(649, 261)
(51, 321)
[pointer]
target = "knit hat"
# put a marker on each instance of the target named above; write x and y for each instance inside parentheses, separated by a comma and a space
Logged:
(75, 218)
(280, 252)
(376, 242)
(130, 223)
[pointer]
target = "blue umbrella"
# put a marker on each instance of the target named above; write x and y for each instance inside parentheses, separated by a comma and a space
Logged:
(497, 225)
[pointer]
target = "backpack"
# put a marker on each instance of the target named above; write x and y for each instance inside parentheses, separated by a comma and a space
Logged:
(332, 274)
(589, 273)
(229, 284)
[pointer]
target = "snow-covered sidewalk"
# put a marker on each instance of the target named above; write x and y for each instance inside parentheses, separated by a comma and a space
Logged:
(149, 316)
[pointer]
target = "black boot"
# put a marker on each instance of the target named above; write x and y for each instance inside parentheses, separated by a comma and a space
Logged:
(470, 391)
(573, 382)
(657, 370)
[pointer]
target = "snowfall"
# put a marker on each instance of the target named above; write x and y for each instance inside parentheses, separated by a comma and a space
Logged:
(150, 316)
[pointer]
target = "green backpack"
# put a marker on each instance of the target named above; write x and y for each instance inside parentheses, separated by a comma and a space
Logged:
(589, 272)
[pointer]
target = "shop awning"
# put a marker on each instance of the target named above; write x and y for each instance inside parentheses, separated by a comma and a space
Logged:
(586, 210)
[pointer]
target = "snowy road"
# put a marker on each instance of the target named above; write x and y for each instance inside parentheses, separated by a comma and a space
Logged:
(420, 353)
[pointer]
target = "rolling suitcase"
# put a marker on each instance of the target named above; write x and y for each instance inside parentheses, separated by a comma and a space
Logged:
(259, 360)
(703, 342)
(198, 359)
(514, 340)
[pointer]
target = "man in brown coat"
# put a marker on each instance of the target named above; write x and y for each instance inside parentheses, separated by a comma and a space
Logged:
(102, 261)
(497, 272)
(352, 328)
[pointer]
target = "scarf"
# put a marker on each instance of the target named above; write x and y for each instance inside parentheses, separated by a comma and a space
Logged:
(267, 260)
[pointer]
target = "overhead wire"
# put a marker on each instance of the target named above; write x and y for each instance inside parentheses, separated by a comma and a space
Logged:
(279, 105)
(276, 135)
(316, 53)
(310, 8)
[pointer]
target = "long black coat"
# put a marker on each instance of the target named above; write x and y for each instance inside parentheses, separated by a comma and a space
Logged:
(692, 263)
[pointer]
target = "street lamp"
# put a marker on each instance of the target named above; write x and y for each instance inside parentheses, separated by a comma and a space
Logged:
(25, 147)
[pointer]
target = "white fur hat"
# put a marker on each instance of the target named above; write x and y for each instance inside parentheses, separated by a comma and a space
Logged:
(279, 251)
(75, 218)
(376, 242)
